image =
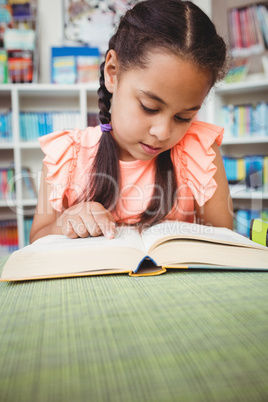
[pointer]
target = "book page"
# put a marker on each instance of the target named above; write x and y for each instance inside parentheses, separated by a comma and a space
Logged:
(58, 255)
(183, 230)
(125, 237)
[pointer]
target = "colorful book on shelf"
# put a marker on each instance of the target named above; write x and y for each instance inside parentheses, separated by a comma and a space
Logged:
(168, 245)
(28, 180)
(7, 183)
(3, 67)
(19, 39)
(254, 171)
(22, 10)
(70, 65)
(20, 66)
(251, 169)
(262, 15)
(27, 227)
(8, 236)
(64, 70)
(5, 126)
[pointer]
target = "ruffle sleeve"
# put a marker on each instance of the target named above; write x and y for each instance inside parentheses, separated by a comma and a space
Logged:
(196, 159)
(61, 149)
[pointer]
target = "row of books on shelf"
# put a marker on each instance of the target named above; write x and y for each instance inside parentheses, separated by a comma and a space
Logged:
(36, 124)
(248, 30)
(245, 120)
(8, 182)
(243, 217)
(17, 41)
(251, 170)
(33, 125)
(9, 240)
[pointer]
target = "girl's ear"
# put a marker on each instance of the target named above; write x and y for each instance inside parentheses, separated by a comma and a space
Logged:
(110, 69)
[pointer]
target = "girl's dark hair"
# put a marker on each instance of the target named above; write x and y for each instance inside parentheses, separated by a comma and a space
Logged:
(176, 26)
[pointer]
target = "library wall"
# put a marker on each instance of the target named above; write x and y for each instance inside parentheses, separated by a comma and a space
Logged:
(50, 34)
(51, 31)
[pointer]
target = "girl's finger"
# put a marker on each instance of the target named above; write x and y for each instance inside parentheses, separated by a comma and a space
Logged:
(90, 224)
(106, 224)
(76, 228)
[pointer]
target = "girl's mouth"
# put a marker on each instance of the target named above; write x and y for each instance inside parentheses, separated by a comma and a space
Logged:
(150, 150)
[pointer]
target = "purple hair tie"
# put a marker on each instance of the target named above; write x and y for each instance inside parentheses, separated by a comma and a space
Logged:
(105, 127)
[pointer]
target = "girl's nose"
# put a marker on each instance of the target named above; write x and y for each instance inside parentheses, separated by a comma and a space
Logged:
(161, 131)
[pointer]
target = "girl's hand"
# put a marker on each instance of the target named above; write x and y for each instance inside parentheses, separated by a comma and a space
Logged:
(87, 219)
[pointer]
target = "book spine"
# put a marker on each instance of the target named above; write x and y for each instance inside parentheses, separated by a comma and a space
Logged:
(28, 181)
(5, 126)
(7, 186)
(27, 228)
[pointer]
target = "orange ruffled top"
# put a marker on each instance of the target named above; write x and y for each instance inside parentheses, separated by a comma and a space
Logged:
(69, 155)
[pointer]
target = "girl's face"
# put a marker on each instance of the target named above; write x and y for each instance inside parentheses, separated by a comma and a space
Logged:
(153, 107)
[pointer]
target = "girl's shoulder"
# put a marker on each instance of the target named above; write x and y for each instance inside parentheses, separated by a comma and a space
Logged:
(203, 133)
(68, 157)
(59, 141)
(193, 158)
(198, 140)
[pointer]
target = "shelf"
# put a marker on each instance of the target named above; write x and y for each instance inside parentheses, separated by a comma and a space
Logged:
(250, 195)
(243, 86)
(29, 145)
(31, 202)
(7, 145)
(3, 204)
(35, 88)
(22, 145)
(36, 98)
(16, 203)
(245, 140)
(8, 203)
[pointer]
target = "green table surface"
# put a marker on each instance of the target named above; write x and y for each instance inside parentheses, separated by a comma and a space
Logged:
(181, 336)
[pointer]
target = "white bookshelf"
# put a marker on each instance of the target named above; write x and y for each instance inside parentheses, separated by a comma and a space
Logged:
(42, 98)
(252, 90)
(49, 97)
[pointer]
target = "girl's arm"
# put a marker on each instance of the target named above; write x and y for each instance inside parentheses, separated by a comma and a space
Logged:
(45, 217)
(218, 210)
(81, 220)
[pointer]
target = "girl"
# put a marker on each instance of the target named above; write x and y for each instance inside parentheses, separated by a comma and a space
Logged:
(150, 159)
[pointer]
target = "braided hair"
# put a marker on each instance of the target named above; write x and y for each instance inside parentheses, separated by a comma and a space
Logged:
(176, 26)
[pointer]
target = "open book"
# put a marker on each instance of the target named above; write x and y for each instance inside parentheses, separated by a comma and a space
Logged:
(166, 245)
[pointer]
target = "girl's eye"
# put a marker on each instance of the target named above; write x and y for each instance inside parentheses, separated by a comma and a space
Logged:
(148, 110)
(180, 119)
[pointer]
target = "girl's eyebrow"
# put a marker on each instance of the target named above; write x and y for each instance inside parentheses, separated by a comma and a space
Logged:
(155, 97)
